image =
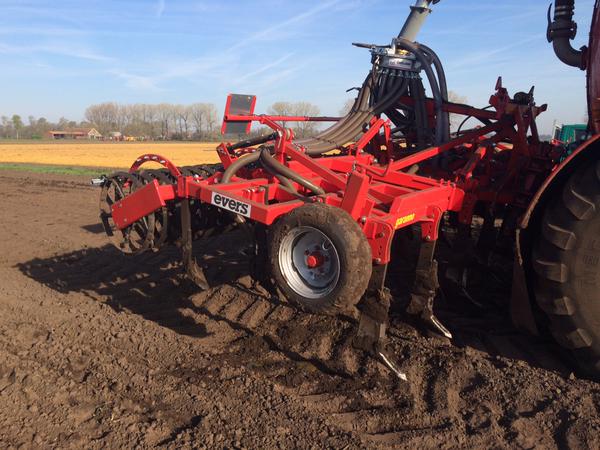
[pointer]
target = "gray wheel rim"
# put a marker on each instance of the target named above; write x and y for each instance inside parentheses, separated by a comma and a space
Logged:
(309, 262)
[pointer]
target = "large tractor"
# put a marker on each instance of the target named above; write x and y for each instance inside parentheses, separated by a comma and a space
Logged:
(327, 211)
(559, 234)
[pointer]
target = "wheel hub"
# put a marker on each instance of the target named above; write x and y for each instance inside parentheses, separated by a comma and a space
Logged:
(309, 262)
(315, 260)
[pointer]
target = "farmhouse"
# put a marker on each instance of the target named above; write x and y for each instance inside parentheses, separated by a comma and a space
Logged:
(76, 133)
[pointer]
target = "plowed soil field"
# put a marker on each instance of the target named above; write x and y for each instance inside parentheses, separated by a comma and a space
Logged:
(100, 350)
(106, 154)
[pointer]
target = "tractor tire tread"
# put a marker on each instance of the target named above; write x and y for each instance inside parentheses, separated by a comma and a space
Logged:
(579, 205)
(563, 239)
(565, 224)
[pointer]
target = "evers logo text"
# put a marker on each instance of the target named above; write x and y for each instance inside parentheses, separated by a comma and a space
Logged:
(231, 204)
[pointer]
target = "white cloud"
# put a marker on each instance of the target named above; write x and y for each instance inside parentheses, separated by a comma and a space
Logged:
(136, 81)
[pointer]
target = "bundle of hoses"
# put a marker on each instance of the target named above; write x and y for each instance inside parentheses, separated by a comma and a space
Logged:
(379, 94)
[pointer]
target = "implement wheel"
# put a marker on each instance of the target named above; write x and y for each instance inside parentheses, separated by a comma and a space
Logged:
(320, 259)
(136, 238)
(566, 261)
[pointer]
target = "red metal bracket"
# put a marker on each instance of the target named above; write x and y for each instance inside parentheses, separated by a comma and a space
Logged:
(150, 157)
(142, 202)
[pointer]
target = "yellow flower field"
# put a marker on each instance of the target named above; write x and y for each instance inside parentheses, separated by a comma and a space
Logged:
(105, 154)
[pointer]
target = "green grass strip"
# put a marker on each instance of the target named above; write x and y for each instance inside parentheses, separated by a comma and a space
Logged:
(59, 170)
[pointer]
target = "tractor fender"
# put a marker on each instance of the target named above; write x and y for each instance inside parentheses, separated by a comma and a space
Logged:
(583, 152)
(521, 302)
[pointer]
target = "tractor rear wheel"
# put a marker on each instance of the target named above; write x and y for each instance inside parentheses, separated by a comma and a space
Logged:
(566, 261)
(319, 259)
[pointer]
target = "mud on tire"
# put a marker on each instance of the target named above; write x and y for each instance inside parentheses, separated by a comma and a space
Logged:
(566, 261)
(335, 241)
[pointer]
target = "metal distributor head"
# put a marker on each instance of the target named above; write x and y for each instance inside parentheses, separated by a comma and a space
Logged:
(392, 56)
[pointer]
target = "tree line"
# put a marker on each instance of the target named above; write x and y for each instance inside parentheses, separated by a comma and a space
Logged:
(14, 127)
(197, 121)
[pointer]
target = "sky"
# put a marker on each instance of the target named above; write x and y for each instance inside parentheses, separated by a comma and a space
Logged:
(58, 57)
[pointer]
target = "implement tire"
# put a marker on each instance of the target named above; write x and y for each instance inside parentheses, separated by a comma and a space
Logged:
(319, 259)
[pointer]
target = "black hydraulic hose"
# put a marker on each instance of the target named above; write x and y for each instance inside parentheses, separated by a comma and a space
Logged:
(441, 76)
(358, 107)
(418, 94)
(439, 68)
(348, 133)
(238, 164)
(285, 182)
(325, 140)
(384, 93)
(397, 118)
(395, 90)
(381, 87)
(437, 95)
(383, 96)
(401, 114)
(271, 164)
(371, 95)
(462, 124)
(351, 128)
(249, 159)
(562, 30)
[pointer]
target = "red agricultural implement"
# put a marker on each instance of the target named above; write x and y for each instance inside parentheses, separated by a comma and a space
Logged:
(326, 210)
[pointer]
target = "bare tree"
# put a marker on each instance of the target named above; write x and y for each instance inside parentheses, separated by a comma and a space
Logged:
(6, 127)
(456, 119)
(164, 113)
(105, 117)
(281, 109)
(150, 117)
(305, 109)
(347, 106)
(210, 118)
(197, 117)
(165, 120)
(183, 114)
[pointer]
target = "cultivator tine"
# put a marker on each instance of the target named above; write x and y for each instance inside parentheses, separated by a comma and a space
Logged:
(390, 365)
(189, 262)
(374, 316)
(374, 310)
(425, 288)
